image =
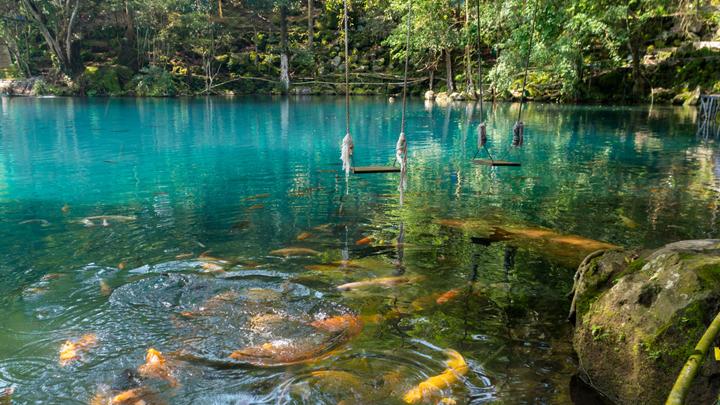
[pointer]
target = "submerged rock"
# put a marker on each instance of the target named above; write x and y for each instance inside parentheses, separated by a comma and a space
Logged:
(639, 315)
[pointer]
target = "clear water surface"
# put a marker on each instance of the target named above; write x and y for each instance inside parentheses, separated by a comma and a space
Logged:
(119, 215)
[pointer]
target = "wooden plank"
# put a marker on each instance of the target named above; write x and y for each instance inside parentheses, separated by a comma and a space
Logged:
(375, 169)
(487, 162)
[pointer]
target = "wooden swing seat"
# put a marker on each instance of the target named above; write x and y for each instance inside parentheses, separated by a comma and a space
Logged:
(488, 162)
(375, 169)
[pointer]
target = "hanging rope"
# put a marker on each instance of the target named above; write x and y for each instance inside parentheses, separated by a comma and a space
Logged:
(519, 127)
(346, 153)
(482, 128)
(401, 146)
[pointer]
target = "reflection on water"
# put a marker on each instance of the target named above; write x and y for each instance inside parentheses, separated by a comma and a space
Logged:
(207, 227)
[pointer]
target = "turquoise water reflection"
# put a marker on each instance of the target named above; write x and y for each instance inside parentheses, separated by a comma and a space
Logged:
(238, 178)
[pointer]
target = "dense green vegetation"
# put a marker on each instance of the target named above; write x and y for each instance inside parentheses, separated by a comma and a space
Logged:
(582, 50)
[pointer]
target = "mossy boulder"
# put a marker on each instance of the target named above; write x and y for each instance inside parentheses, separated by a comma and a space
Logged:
(639, 315)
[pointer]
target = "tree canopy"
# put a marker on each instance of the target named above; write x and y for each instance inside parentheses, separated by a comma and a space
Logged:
(581, 49)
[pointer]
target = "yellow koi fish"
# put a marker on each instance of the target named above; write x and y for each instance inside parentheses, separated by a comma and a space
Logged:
(71, 350)
(435, 384)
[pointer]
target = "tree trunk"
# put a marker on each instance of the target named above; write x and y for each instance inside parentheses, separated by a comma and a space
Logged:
(284, 65)
(128, 55)
(60, 42)
(311, 23)
(449, 71)
(220, 10)
(432, 77)
(638, 84)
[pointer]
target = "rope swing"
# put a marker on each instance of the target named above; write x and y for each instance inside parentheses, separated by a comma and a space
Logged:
(401, 146)
(519, 127)
(348, 147)
(482, 128)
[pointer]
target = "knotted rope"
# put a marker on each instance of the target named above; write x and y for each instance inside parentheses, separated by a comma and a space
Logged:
(346, 153)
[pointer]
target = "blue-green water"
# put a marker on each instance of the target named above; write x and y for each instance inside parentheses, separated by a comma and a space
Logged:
(238, 178)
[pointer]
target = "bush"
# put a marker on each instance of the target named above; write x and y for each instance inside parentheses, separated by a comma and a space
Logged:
(155, 81)
(104, 80)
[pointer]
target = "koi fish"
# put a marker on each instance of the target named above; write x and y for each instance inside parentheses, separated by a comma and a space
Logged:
(51, 276)
(121, 266)
(380, 281)
(105, 288)
(337, 377)
(447, 296)
(257, 197)
(183, 256)
(42, 222)
(323, 267)
(208, 267)
(433, 385)
(255, 207)
(6, 396)
(71, 350)
(65, 209)
(118, 218)
(133, 396)
(347, 322)
(157, 367)
(365, 241)
(304, 235)
(261, 322)
(294, 251)
(280, 352)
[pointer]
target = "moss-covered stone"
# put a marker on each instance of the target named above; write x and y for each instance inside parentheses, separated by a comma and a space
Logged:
(639, 318)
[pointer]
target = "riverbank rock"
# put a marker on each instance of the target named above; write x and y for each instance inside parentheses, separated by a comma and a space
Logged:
(442, 98)
(639, 315)
(429, 95)
(18, 87)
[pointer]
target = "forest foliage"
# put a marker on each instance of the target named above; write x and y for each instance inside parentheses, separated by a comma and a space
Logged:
(576, 50)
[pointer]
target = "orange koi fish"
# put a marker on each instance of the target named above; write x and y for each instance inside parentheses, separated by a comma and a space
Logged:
(157, 367)
(347, 322)
(433, 385)
(304, 235)
(447, 296)
(71, 350)
(365, 241)
(380, 281)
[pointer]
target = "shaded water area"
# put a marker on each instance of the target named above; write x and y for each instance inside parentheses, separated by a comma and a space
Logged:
(217, 231)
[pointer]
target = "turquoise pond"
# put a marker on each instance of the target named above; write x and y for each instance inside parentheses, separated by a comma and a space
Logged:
(156, 223)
